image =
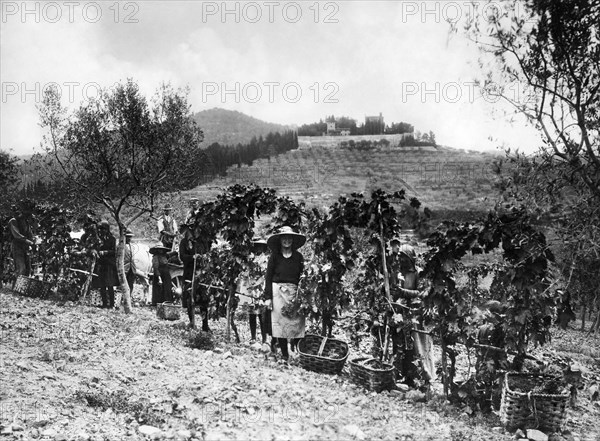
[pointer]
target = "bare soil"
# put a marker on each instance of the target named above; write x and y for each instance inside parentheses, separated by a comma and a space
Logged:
(74, 372)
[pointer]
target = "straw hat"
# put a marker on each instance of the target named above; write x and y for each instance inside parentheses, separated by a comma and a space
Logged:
(158, 247)
(274, 242)
(259, 244)
(395, 239)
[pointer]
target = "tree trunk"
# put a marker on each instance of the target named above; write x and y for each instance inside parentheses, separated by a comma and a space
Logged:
(583, 311)
(595, 325)
(230, 294)
(123, 285)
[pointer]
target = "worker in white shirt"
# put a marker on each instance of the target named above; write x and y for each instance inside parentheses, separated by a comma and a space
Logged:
(167, 227)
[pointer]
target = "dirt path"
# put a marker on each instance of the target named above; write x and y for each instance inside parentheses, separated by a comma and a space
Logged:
(72, 372)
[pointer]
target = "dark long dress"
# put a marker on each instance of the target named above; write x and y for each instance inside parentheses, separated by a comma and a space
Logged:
(281, 285)
(106, 266)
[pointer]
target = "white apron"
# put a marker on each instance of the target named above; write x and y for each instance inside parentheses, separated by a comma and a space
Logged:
(285, 326)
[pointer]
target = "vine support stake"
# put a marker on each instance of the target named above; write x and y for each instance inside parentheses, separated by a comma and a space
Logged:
(386, 282)
(444, 366)
(191, 300)
(230, 294)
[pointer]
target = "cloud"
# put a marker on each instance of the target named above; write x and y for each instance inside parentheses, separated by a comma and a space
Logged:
(344, 58)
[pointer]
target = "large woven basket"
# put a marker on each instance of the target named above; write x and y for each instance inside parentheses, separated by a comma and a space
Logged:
(31, 287)
(521, 410)
(168, 311)
(371, 378)
(322, 354)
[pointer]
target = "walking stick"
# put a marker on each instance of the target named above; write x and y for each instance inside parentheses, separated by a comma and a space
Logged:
(88, 281)
(192, 302)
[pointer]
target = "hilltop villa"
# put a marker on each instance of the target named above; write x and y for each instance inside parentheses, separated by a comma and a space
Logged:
(333, 131)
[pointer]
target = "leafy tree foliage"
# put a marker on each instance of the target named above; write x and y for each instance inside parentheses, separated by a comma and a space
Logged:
(547, 60)
(371, 128)
(313, 129)
(9, 178)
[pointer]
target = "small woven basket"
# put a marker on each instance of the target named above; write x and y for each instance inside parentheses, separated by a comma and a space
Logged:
(168, 311)
(322, 354)
(520, 410)
(371, 378)
(31, 287)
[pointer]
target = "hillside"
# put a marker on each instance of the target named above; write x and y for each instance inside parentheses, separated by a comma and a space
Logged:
(232, 127)
(441, 177)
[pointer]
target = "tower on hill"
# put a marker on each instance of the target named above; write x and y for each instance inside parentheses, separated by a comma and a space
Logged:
(374, 125)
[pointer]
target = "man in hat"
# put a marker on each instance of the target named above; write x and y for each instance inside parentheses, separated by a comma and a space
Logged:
(106, 266)
(167, 227)
(190, 249)
(129, 261)
(22, 239)
(193, 211)
(160, 268)
(187, 254)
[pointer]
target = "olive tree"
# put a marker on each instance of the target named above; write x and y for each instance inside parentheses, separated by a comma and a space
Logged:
(121, 150)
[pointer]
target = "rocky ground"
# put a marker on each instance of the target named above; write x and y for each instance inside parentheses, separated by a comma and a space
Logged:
(74, 372)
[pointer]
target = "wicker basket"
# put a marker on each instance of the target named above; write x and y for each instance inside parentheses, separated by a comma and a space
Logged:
(168, 311)
(31, 287)
(520, 410)
(371, 378)
(311, 349)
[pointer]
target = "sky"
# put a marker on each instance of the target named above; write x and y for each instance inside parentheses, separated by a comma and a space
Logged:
(282, 62)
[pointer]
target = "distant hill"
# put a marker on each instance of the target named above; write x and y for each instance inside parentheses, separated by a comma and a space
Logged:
(232, 127)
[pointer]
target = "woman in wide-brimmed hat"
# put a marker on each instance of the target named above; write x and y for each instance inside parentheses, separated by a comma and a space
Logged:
(284, 269)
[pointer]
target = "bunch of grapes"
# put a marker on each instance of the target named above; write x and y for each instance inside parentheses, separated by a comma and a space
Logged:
(290, 310)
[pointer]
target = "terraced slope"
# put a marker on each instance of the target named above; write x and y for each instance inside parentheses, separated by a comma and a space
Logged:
(440, 177)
